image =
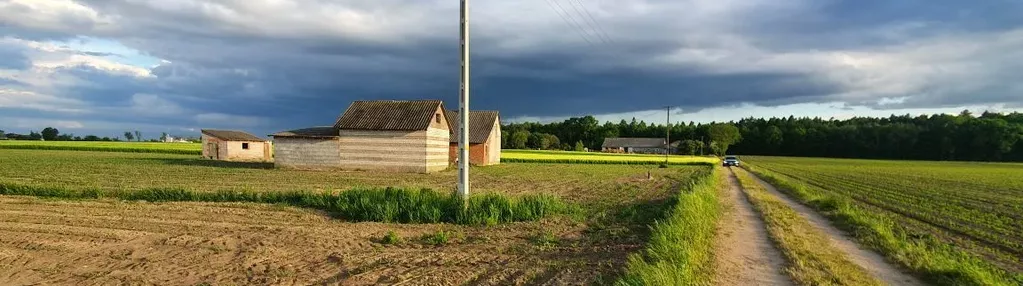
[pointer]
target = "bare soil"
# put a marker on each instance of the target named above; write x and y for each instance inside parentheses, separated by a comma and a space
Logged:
(873, 262)
(744, 252)
(113, 242)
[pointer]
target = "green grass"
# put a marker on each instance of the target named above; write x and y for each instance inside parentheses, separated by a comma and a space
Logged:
(391, 238)
(130, 147)
(388, 205)
(812, 258)
(680, 248)
(937, 256)
(536, 156)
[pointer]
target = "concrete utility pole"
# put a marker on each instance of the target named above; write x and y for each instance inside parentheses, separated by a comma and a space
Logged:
(667, 137)
(463, 106)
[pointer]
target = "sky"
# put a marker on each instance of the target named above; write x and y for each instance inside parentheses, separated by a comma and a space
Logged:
(176, 66)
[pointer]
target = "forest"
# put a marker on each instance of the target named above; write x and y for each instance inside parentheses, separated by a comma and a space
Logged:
(963, 137)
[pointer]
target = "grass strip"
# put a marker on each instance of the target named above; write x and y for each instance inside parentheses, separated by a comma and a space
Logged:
(681, 245)
(936, 262)
(603, 162)
(813, 260)
(102, 149)
(389, 205)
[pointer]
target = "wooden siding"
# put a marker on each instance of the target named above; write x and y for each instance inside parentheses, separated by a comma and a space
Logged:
(307, 153)
(408, 151)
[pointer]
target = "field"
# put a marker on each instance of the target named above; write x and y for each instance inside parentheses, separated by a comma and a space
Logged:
(138, 147)
(978, 207)
(111, 241)
(594, 157)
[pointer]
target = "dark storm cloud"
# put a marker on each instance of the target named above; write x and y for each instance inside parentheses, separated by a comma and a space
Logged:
(303, 64)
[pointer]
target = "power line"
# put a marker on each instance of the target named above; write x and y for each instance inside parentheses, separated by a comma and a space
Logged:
(596, 25)
(579, 29)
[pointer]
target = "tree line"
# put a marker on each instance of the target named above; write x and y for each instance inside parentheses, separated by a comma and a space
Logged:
(53, 134)
(963, 137)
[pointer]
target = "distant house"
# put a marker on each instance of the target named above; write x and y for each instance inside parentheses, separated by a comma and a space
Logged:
(172, 139)
(484, 137)
(634, 145)
(404, 136)
(230, 145)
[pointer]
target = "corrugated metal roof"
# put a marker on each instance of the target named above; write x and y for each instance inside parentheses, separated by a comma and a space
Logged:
(388, 115)
(633, 142)
(312, 132)
(481, 123)
(231, 135)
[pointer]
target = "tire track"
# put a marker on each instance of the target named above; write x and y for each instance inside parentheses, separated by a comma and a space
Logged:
(744, 252)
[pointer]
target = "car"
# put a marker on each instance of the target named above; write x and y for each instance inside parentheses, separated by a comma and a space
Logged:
(730, 161)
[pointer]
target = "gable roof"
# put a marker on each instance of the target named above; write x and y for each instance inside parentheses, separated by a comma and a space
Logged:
(481, 123)
(633, 142)
(232, 135)
(411, 115)
(311, 132)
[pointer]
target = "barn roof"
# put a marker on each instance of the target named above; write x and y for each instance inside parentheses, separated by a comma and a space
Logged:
(231, 135)
(633, 142)
(311, 132)
(481, 123)
(409, 115)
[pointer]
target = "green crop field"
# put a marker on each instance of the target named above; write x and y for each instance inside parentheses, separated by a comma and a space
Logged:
(597, 158)
(134, 147)
(978, 207)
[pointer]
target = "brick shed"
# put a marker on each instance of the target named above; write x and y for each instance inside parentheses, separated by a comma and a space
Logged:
(388, 135)
(484, 137)
(231, 145)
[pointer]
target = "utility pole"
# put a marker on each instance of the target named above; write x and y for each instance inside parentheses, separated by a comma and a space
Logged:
(667, 136)
(463, 105)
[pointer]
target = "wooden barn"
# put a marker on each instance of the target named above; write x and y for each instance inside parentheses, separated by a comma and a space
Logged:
(634, 145)
(230, 145)
(402, 136)
(484, 137)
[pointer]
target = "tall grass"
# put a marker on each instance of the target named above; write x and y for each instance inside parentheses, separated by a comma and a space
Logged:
(936, 262)
(103, 149)
(390, 205)
(680, 247)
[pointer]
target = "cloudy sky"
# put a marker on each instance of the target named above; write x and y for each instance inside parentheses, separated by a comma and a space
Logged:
(106, 66)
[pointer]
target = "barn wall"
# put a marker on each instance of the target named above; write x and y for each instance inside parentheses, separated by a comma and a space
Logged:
(232, 151)
(494, 145)
(315, 153)
(477, 154)
(407, 151)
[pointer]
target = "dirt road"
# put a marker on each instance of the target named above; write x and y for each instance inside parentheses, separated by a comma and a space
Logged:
(744, 253)
(873, 262)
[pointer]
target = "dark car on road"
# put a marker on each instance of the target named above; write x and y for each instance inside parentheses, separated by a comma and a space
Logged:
(730, 161)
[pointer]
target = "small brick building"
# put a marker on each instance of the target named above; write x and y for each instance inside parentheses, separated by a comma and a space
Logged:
(230, 145)
(484, 137)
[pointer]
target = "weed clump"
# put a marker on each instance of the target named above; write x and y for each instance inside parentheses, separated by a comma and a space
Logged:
(391, 238)
(438, 238)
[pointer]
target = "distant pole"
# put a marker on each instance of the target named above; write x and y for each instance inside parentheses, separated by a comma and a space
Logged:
(667, 137)
(463, 107)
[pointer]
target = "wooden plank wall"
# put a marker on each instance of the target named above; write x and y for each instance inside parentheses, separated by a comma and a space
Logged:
(406, 151)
